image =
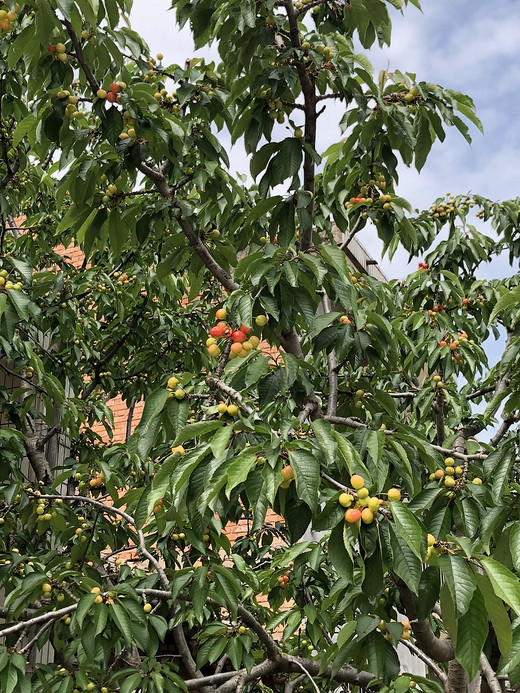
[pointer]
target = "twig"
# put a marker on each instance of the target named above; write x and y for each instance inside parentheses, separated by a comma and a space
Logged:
(111, 509)
(489, 675)
(429, 662)
(355, 229)
(36, 637)
(296, 661)
(78, 50)
(216, 384)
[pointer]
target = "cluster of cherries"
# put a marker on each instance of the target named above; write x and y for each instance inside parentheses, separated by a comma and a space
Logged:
(423, 265)
(112, 95)
(242, 340)
(284, 579)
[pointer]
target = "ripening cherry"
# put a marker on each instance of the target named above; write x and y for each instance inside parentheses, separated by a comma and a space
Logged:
(245, 329)
(352, 515)
(115, 88)
(111, 97)
(216, 331)
(238, 336)
(287, 473)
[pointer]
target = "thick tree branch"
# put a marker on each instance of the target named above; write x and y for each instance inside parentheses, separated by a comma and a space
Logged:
(37, 458)
(439, 650)
(184, 652)
(457, 678)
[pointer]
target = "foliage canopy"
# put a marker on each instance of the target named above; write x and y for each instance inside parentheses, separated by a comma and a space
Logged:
(107, 150)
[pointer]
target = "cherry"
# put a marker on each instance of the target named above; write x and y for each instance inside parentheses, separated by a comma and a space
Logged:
(238, 336)
(217, 331)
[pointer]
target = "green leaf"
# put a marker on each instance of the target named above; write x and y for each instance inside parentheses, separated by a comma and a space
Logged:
(199, 592)
(227, 587)
(474, 625)
(508, 300)
(306, 468)
(428, 593)
(351, 459)
(460, 579)
(195, 430)
(145, 432)
(514, 544)
(448, 613)
(505, 584)
(121, 619)
(497, 613)
(220, 440)
(408, 527)
(238, 471)
(84, 605)
(338, 554)
(130, 683)
(405, 563)
(24, 126)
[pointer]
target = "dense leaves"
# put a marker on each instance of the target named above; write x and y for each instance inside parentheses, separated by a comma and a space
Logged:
(181, 510)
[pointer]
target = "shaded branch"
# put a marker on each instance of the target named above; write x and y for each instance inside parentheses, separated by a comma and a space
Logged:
(216, 384)
(427, 660)
(78, 50)
(439, 650)
(489, 675)
(111, 509)
(504, 428)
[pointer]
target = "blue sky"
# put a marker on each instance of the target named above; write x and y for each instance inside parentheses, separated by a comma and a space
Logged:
(467, 46)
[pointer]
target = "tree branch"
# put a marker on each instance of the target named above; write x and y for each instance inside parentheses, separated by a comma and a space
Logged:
(111, 509)
(37, 458)
(42, 618)
(309, 97)
(427, 660)
(430, 644)
(216, 384)
(489, 675)
(78, 50)
(504, 428)
(184, 652)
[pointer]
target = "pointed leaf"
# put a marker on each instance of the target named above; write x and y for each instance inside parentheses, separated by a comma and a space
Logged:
(460, 580)
(307, 476)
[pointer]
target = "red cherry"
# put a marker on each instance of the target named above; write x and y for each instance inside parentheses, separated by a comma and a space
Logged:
(115, 88)
(442, 342)
(111, 97)
(217, 331)
(238, 336)
(245, 330)
(52, 48)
